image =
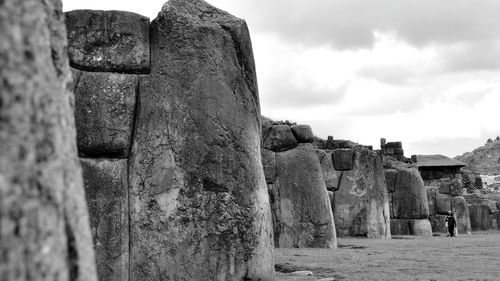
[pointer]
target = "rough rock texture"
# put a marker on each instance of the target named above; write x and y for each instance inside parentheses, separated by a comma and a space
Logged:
(108, 41)
(443, 203)
(104, 113)
(438, 223)
(390, 179)
(303, 133)
(400, 227)
(420, 227)
(461, 212)
(305, 217)
(106, 191)
(431, 199)
(456, 187)
(409, 200)
(269, 164)
(44, 227)
(330, 175)
(199, 201)
(480, 216)
(280, 138)
(343, 159)
(361, 205)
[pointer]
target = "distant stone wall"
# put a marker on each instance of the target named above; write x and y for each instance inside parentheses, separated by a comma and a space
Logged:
(302, 216)
(168, 127)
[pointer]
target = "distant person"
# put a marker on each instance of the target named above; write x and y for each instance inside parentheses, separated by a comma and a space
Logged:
(450, 223)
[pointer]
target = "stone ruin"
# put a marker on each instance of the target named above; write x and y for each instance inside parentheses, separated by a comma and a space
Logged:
(409, 207)
(168, 135)
(302, 216)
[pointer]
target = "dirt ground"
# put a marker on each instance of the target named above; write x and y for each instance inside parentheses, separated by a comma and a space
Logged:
(439, 258)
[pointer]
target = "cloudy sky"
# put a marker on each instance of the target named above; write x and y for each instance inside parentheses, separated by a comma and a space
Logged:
(424, 72)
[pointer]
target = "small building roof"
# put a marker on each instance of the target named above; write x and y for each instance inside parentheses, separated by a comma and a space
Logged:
(437, 160)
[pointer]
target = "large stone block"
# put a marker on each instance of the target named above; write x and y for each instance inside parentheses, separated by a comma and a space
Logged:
(306, 219)
(104, 113)
(443, 203)
(269, 165)
(343, 159)
(200, 204)
(361, 203)
(280, 138)
(431, 198)
(480, 216)
(456, 187)
(303, 133)
(420, 227)
(445, 186)
(390, 179)
(106, 188)
(331, 176)
(44, 227)
(114, 41)
(461, 213)
(409, 200)
(400, 227)
(438, 223)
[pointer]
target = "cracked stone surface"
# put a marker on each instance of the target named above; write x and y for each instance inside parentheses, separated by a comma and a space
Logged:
(361, 204)
(44, 226)
(195, 164)
(409, 200)
(303, 214)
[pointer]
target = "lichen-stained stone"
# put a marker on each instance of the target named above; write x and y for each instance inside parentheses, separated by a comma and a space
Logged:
(44, 226)
(104, 113)
(443, 203)
(108, 41)
(361, 205)
(390, 179)
(400, 227)
(269, 165)
(106, 189)
(280, 138)
(343, 159)
(306, 219)
(199, 201)
(461, 212)
(303, 133)
(409, 200)
(331, 176)
(420, 227)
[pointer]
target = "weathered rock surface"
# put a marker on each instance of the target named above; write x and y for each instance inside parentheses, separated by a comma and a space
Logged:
(104, 113)
(409, 200)
(438, 223)
(115, 41)
(400, 227)
(420, 227)
(303, 133)
(343, 159)
(200, 208)
(305, 217)
(443, 203)
(390, 179)
(431, 199)
(361, 206)
(106, 190)
(280, 138)
(269, 165)
(480, 216)
(461, 212)
(44, 227)
(330, 175)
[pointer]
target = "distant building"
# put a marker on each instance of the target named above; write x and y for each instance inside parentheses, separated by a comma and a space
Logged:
(434, 167)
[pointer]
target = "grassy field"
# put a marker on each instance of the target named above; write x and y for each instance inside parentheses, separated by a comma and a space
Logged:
(473, 257)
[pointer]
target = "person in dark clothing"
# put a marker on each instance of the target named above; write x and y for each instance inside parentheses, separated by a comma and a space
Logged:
(450, 222)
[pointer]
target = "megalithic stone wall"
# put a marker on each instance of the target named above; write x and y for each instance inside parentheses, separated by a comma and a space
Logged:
(187, 128)
(44, 226)
(107, 49)
(302, 216)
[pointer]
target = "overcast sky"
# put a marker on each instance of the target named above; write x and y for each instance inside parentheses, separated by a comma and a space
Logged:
(424, 72)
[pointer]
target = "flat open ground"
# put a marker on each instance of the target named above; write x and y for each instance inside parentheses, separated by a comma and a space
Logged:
(466, 257)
